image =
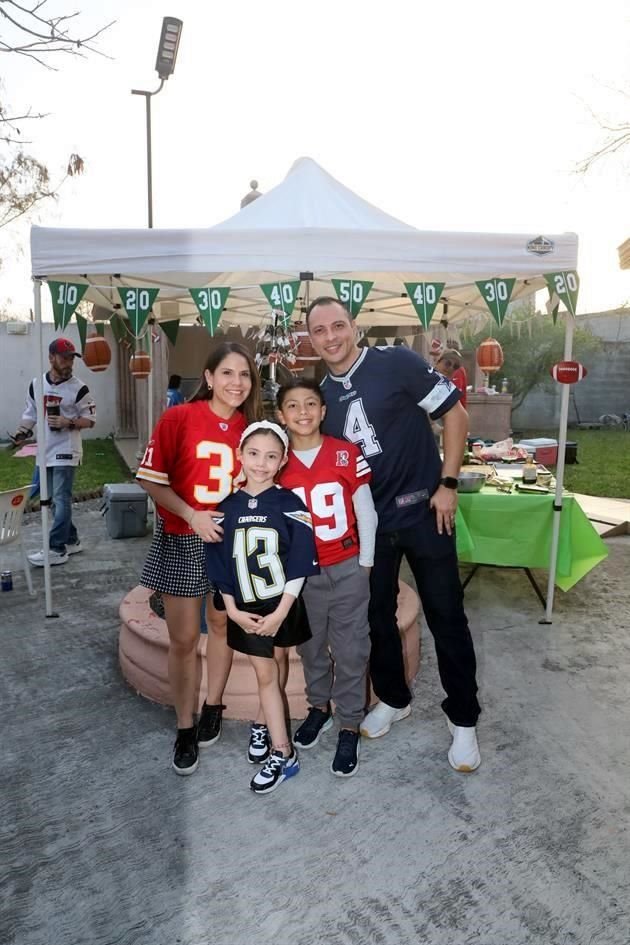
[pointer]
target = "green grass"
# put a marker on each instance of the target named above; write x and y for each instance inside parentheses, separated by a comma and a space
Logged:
(603, 466)
(101, 463)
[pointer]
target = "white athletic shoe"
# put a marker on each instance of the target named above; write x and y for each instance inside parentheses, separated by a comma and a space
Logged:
(463, 755)
(74, 549)
(380, 719)
(55, 557)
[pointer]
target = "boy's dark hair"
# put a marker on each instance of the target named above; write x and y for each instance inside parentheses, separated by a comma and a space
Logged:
(174, 381)
(307, 383)
(327, 300)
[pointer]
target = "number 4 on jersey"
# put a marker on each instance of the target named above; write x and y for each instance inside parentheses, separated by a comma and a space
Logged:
(358, 429)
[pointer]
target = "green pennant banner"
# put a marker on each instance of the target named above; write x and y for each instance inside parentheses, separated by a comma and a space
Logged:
(553, 306)
(82, 324)
(210, 303)
(137, 304)
(566, 286)
(424, 297)
(171, 330)
(353, 293)
(496, 293)
(99, 328)
(282, 297)
(65, 298)
(119, 329)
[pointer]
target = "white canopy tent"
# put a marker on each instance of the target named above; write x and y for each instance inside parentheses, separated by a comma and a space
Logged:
(312, 228)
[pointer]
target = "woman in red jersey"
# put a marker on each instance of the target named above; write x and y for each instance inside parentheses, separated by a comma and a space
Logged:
(189, 466)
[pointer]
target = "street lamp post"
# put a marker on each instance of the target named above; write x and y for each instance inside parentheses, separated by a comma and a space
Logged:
(165, 67)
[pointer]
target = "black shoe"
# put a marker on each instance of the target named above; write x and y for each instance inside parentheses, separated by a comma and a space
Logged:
(346, 760)
(157, 604)
(313, 727)
(259, 744)
(186, 755)
(209, 725)
(276, 770)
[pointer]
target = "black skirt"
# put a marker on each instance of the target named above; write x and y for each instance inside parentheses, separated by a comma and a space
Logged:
(293, 630)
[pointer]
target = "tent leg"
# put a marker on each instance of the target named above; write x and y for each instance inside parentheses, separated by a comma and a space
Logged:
(562, 443)
(42, 433)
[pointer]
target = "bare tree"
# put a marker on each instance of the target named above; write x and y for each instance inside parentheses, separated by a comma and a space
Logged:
(616, 136)
(34, 31)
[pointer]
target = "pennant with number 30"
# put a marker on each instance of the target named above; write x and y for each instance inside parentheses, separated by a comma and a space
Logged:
(210, 303)
(496, 293)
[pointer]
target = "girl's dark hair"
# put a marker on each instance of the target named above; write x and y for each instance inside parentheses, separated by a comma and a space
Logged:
(252, 408)
(174, 381)
(307, 383)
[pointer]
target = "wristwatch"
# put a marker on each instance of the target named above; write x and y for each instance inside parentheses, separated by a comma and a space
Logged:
(449, 481)
(72, 425)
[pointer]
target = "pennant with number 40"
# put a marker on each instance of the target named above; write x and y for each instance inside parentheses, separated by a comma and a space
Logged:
(282, 297)
(565, 285)
(65, 298)
(496, 293)
(424, 297)
(210, 303)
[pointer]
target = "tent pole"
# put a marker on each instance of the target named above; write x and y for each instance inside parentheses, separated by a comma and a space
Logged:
(42, 434)
(562, 442)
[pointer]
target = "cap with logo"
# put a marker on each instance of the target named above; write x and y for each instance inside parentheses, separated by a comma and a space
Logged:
(63, 347)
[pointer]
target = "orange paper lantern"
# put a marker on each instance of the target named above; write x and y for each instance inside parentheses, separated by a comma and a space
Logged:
(97, 354)
(490, 356)
(140, 365)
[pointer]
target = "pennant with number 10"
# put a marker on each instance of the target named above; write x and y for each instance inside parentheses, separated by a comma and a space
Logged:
(496, 293)
(424, 297)
(65, 298)
(210, 302)
(566, 286)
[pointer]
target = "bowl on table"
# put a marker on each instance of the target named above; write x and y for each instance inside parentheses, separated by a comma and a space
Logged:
(470, 481)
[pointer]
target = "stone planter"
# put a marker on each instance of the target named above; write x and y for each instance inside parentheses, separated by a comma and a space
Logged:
(143, 651)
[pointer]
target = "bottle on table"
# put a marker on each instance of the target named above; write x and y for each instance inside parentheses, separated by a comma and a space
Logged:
(529, 471)
(504, 386)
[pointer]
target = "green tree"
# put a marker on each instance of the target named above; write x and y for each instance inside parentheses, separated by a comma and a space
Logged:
(532, 344)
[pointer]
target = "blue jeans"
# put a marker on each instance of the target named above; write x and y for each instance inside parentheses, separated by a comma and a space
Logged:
(60, 482)
(433, 562)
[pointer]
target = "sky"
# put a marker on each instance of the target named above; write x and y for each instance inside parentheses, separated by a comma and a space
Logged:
(449, 116)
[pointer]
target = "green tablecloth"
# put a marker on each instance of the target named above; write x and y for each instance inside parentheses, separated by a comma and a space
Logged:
(515, 530)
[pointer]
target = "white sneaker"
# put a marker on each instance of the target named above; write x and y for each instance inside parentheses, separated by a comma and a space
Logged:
(74, 549)
(463, 755)
(55, 557)
(380, 719)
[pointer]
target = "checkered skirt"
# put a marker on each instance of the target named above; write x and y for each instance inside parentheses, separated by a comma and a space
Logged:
(176, 565)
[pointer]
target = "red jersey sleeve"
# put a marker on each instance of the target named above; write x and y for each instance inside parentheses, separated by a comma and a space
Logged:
(159, 456)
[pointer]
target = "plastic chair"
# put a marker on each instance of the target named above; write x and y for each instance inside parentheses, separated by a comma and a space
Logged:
(12, 505)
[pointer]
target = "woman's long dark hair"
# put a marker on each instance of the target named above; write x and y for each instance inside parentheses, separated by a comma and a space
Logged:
(251, 408)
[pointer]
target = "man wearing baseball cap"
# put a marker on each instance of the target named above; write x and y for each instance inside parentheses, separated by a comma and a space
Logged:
(69, 409)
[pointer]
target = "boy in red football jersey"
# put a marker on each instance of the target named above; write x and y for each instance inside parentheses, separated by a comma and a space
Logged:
(332, 479)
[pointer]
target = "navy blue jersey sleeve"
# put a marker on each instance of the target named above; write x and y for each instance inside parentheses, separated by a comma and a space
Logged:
(430, 389)
(218, 558)
(302, 554)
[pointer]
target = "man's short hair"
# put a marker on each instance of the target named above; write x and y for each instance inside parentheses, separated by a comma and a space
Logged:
(326, 300)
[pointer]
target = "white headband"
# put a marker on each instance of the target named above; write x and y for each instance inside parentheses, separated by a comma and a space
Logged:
(270, 427)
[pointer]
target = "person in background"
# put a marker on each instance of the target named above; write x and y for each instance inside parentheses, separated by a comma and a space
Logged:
(188, 467)
(383, 399)
(451, 364)
(69, 410)
(174, 396)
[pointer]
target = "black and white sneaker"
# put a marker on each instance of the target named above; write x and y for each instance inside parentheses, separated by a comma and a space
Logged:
(259, 747)
(313, 727)
(186, 755)
(276, 769)
(346, 760)
(209, 725)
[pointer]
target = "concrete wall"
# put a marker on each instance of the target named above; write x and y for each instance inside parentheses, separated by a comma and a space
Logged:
(19, 365)
(605, 389)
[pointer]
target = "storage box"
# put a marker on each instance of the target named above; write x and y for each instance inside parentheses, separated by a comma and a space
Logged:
(545, 450)
(125, 509)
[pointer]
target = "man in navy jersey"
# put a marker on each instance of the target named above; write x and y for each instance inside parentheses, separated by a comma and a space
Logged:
(383, 399)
